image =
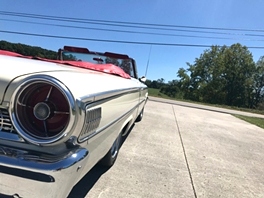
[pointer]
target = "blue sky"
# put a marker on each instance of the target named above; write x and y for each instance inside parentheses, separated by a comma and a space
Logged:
(164, 60)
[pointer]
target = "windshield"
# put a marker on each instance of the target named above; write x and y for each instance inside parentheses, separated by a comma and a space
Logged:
(125, 64)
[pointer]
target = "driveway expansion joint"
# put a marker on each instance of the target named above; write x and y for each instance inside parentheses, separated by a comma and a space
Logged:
(184, 153)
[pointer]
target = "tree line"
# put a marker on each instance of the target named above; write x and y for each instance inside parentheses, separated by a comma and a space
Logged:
(221, 75)
(28, 50)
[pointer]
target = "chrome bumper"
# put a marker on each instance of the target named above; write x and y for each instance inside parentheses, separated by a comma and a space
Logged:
(39, 175)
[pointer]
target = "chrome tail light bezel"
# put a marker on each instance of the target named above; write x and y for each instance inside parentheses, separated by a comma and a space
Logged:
(22, 130)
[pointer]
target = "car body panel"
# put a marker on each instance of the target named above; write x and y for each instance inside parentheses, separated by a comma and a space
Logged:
(103, 106)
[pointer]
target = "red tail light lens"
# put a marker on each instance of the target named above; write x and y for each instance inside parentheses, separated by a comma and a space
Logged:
(42, 111)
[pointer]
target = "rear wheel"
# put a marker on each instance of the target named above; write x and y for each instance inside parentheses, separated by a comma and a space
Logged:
(110, 158)
(140, 116)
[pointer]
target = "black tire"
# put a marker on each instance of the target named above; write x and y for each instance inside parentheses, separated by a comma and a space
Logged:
(110, 158)
(140, 116)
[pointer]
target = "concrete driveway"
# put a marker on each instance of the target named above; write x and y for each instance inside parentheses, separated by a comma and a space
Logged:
(178, 151)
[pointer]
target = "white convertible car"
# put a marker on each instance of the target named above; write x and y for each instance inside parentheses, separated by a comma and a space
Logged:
(58, 118)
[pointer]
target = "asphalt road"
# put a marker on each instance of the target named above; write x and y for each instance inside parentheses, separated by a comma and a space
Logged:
(180, 151)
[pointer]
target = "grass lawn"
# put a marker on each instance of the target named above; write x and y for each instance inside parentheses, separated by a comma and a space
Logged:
(256, 121)
(156, 93)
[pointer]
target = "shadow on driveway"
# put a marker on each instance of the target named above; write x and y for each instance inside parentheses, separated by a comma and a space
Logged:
(87, 182)
(82, 188)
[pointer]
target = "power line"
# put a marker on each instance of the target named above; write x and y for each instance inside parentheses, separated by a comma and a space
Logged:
(115, 41)
(126, 24)
(139, 25)
(147, 33)
(132, 32)
(121, 23)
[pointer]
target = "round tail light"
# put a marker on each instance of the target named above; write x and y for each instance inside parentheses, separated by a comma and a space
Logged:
(43, 110)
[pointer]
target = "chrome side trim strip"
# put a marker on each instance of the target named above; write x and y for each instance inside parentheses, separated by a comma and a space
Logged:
(85, 100)
(119, 118)
(116, 93)
(112, 123)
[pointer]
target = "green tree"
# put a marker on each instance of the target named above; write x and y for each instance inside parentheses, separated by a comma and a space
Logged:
(184, 82)
(239, 69)
(171, 89)
(148, 83)
(258, 85)
(28, 50)
(221, 75)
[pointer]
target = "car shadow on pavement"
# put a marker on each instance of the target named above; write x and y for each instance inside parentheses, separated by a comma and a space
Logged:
(6, 196)
(82, 188)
